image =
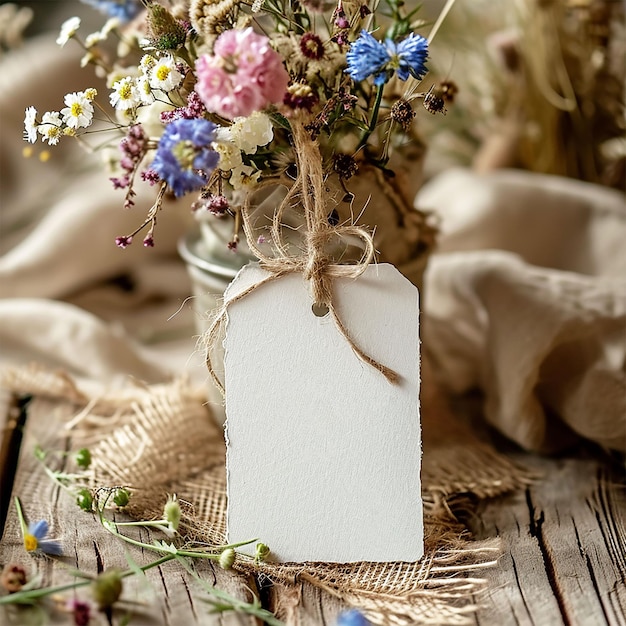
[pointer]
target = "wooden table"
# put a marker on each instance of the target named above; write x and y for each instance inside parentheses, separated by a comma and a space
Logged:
(563, 561)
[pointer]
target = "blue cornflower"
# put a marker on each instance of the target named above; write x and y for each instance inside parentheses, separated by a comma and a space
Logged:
(35, 539)
(125, 10)
(352, 617)
(184, 158)
(369, 57)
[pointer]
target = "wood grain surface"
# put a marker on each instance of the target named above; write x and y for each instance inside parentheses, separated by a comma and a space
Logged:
(563, 559)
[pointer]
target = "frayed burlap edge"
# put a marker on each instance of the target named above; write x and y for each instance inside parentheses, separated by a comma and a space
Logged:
(161, 440)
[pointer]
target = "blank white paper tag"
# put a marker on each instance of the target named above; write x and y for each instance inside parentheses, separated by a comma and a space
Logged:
(323, 453)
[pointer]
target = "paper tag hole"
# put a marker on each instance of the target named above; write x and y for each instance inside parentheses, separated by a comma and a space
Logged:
(319, 310)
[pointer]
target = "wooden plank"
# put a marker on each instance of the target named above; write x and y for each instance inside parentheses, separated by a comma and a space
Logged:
(171, 597)
(578, 519)
(519, 590)
(564, 560)
(12, 419)
(304, 605)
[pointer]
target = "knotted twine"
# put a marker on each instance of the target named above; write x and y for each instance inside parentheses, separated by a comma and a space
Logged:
(315, 264)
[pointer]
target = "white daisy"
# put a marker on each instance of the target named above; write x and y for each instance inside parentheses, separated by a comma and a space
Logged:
(68, 30)
(78, 112)
(50, 128)
(144, 90)
(147, 63)
(30, 125)
(164, 75)
(124, 96)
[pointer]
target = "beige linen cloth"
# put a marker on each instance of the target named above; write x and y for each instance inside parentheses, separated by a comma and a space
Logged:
(525, 298)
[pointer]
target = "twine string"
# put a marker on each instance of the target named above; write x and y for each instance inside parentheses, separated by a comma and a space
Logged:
(316, 264)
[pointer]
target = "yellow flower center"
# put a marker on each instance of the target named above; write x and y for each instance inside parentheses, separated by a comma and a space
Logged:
(185, 153)
(126, 91)
(30, 542)
(163, 72)
(77, 109)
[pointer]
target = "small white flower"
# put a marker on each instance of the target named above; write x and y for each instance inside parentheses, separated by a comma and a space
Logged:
(147, 63)
(68, 30)
(251, 132)
(111, 24)
(118, 72)
(78, 111)
(244, 177)
(30, 125)
(230, 154)
(150, 117)
(93, 38)
(50, 128)
(144, 91)
(164, 75)
(101, 35)
(124, 94)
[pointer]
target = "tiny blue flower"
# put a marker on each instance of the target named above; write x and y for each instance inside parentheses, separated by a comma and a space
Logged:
(35, 539)
(185, 158)
(124, 10)
(352, 617)
(369, 57)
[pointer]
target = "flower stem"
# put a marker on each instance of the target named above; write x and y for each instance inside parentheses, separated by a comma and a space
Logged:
(27, 597)
(374, 119)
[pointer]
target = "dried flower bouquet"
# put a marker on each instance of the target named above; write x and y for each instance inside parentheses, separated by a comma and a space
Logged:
(202, 97)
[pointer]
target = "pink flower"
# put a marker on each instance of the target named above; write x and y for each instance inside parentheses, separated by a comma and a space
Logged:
(244, 75)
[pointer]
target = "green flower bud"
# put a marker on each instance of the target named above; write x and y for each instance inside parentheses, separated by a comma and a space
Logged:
(106, 589)
(227, 558)
(121, 498)
(84, 499)
(83, 458)
(172, 513)
(262, 552)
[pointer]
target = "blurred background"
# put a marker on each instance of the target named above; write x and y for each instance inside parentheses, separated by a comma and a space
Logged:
(525, 156)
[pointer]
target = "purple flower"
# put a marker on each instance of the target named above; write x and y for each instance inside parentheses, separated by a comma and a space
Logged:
(35, 539)
(185, 158)
(123, 241)
(125, 10)
(369, 57)
(81, 611)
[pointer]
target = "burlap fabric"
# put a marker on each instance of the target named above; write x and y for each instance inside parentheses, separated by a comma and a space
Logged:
(161, 440)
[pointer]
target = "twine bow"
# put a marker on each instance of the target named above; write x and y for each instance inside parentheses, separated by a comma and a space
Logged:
(316, 265)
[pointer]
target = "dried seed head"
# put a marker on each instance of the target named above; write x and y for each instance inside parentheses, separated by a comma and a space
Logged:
(13, 577)
(402, 113)
(345, 165)
(164, 30)
(433, 102)
(312, 46)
